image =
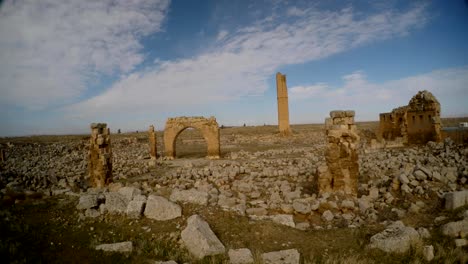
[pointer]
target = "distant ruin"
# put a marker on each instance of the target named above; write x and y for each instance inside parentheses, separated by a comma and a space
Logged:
(208, 127)
(100, 156)
(416, 123)
(152, 143)
(342, 168)
(283, 108)
(2, 155)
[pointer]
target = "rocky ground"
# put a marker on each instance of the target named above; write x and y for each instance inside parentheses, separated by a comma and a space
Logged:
(258, 203)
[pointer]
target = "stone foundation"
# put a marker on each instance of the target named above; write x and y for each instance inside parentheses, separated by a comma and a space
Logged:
(342, 168)
(100, 156)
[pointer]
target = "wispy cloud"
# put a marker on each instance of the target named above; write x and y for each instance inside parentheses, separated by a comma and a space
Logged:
(51, 50)
(242, 62)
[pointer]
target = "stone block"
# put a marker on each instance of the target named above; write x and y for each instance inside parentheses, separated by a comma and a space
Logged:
(240, 256)
(161, 209)
(288, 256)
(199, 239)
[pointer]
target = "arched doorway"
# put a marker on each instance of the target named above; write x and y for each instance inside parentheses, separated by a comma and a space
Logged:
(208, 127)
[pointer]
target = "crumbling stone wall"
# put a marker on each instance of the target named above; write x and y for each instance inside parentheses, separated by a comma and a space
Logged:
(342, 168)
(416, 123)
(208, 127)
(283, 105)
(152, 143)
(100, 155)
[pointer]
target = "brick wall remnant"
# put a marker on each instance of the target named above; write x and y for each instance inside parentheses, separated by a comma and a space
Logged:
(342, 169)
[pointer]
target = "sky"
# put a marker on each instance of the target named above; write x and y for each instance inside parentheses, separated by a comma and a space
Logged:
(131, 63)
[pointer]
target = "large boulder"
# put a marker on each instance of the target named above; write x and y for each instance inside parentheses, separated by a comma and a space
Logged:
(116, 202)
(161, 209)
(199, 239)
(87, 201)
(189, 196)
(455, 229)
(288, 256)
(396, 238)
(135, 209)
(454, 200)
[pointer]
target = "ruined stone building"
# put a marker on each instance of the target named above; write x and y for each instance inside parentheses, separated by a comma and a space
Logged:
(340, 174)
(100, 156)
(283, 108)
(416, 123)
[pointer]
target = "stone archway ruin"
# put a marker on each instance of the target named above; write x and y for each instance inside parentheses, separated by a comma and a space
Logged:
(207, 126)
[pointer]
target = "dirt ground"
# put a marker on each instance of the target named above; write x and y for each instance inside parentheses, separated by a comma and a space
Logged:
(51, 230)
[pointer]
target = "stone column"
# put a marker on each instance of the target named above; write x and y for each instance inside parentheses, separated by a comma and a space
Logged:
(100, 156)
(152, 143)
(283, 108)
(342, 169)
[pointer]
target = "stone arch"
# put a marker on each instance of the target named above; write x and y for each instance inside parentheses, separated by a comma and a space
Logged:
(207, 126)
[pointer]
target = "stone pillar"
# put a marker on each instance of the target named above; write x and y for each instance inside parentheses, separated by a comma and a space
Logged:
(283, 108)
(152, 143)
(100, 156)
(342, 169)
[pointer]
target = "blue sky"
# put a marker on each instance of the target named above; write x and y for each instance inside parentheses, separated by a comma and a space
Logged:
(66, 64)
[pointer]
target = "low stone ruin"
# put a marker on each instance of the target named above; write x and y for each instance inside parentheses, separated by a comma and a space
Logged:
(342, 168)
(100, 155)
(416, 123)
(152, 143)
(207, 126)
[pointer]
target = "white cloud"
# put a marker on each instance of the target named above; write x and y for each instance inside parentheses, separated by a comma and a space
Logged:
(448, 85)
(50, 50)
(247, 58)
(294, 11)
(222, 34)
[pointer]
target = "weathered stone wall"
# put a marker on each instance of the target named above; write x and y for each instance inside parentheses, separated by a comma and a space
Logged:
(100, 155)
(342, 169)
(417, 123)
(152, 143)
(208, 127)
(283, 107)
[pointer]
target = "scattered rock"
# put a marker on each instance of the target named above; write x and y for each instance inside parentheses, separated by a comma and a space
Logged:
(87, 201)
(200, 239)
(327, 216)
(240, 256)
(461, 242)
(116, 202)
(395, 238)
(428, 253)
(454, 200)
(189, 196)
(123, 247)
(288, 256)
(455, 229)
(135, 209)
(161, 209)
(283, 219)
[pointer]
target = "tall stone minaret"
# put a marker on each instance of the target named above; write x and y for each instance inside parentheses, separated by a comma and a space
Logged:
(283, 109)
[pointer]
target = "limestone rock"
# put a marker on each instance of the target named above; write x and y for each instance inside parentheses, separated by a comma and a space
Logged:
(302, 206)
(327, 216)
(129, 192)
(87, 201)
(135, 209)
(116, 202)
(288, 256)
(283, 219)
(428, 253)
(455, 229)
(240, 256)
(189, 196)
(161, 209)
(461, 242)
(123, 247)
(200, 239)
(257, 211)
(396, 238)
(454, 200)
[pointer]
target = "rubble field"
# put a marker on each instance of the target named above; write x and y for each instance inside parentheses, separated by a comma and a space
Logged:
(258, 203)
